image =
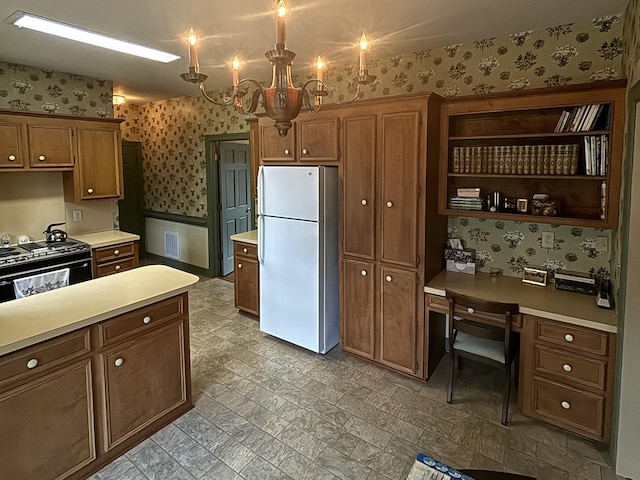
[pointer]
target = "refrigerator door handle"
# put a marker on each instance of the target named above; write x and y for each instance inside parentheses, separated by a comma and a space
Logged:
(261, 239)
(261, 190)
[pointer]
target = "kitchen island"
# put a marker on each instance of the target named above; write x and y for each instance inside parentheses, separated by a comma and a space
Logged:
(90, 370)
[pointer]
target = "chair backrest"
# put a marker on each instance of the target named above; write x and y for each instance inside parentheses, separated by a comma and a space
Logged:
(466, 315)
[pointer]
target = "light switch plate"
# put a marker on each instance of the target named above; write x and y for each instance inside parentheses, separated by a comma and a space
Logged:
(547, 239)
(77, 215)
(602, 244)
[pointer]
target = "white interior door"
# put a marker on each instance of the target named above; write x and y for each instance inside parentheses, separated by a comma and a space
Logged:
(290, 281)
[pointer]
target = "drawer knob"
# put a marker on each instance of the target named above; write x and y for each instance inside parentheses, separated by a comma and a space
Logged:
(33, 363)
(116, 252)
(146, 320)
(471, 310)
(305, 151)
(389, 204)
(568, 337)
(117, 267)
(118, 362)
(42, 158)
(244, 250)
(287, 151)
(363, 273)
(12, 158)
(89, 191)
(239, 265)
(364, 202)
(388, 278)
(566, 405)
(567, 368)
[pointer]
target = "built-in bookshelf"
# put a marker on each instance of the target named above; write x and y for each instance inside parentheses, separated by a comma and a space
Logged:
(563, 145)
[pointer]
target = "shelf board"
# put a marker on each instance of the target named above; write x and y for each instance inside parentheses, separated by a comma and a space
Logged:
(531, 135)
(517, 217)
(536, 177)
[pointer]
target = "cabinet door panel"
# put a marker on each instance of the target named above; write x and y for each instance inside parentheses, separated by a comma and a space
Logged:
(358, 192)
(358, 300)
(11, 150)
(47, 426)
(50, 146)
(273, 147)
(398, 320)
(99, 163)
(398, 200)
(318, 140)
(247, 285)
(143, 381)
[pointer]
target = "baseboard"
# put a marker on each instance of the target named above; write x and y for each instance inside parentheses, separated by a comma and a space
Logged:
(187, 267)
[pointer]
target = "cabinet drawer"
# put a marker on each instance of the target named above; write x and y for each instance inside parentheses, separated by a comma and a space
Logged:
(245, 249)
(140, 320)
(588, 372)
(572, 337)
(441, 304)
(40, 357)
(115, 267)
(437, 303)
(104, 254)
(568, 407)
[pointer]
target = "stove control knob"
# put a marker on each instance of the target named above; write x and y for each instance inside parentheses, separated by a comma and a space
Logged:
(12, 158)
(89, 191)
(42, 158)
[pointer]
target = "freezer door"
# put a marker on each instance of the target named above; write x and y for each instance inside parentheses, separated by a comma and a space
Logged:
(290, 306)
(290, 192)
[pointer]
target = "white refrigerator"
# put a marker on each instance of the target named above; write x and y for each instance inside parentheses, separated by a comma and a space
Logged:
(298, 254)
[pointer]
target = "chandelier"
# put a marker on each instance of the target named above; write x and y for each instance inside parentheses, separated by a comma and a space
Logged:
(282, 101)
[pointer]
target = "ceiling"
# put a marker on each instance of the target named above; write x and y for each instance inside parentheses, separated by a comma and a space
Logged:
(327, 27)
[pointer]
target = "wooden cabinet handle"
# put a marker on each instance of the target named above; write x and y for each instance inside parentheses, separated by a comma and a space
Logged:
(146, 320)
(117, 268)
(305, 151)
(12, 158)
(89, 191)
(567, 368)
(116, 252)
(568, 337)
(118, 362)
(287, 151)
(244, 250)
(388, 278)
(239, 265)
(363, 273)
(389, 204)
(42, 158)
(565, 405)
(33, 363)
(364, 202)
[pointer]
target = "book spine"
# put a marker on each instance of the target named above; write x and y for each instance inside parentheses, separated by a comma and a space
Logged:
(478, 159)
(526, 160)
(483, 162)
(573, 159)
(553, 150)
(545, 159)
(507, 160)
(587, 156)
(490, 151)
(501, 154)
(566, 160)
(559, 159)
(539, 159)
(467, 159)
(456, 160)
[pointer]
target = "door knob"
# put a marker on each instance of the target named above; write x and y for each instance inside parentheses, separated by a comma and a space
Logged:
(388, 278)
(118, 362)
(146, 320)
(364, 202)
(363, 273)
(42, 158)
(117, 268)
(567, 368)
(568, 337)
(305, 151)
(239, 265)
(389, 204)
(33, 363)
(116, 252)
(565, 405)
(287, 151)
(89, 190)
(12, 158)
(244, 250)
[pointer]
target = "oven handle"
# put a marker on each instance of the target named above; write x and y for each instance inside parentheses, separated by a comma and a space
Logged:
(53, 268)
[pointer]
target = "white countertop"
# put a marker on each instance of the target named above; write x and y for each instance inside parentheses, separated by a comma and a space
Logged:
(246, 237)
(547, 302)
(31, 320)
(106, 239)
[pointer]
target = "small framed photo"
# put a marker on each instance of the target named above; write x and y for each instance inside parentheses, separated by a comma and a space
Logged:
(522, 205)
(534, 277)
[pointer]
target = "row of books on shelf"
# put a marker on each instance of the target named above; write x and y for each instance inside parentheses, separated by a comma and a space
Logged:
(596, 154)
(517, 159)
(462, 202)
(584, 118)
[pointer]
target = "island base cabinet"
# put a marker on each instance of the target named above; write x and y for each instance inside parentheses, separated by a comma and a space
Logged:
(47, 425)
(144, 380)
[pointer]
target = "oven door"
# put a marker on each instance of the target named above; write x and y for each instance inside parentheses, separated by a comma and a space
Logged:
(79, 271)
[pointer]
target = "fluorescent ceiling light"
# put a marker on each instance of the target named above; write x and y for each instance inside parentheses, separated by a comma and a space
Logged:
(44, 25)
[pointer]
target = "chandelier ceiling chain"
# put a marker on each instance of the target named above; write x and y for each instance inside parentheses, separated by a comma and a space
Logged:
(282, 101)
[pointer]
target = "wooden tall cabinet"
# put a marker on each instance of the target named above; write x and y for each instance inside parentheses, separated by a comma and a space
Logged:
(388, 200)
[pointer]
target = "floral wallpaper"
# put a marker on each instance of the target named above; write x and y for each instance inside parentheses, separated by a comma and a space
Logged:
(512, 246)
(41, 90)
(631, 57)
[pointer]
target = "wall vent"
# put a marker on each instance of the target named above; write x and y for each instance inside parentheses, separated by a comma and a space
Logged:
(172, 245)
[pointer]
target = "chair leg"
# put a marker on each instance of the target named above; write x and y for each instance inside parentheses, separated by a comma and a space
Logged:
(452, 367)
(507, 393)
(460, 363)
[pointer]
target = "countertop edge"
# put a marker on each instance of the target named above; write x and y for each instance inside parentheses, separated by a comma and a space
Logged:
(106, 238)
(250, 237)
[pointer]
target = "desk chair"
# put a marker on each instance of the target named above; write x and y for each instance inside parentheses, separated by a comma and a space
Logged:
(481, 330)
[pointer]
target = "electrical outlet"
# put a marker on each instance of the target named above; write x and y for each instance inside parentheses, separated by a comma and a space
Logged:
(547, 239)
(77, 215)
(602, 244)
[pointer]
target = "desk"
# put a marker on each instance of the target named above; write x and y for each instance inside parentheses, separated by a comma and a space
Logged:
(567, 354)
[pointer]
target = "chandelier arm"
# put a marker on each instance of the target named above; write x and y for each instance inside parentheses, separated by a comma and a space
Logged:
(215, 102)
(253, 105)
(327, 93)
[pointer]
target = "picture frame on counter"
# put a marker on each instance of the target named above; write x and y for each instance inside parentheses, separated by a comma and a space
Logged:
(534, 276)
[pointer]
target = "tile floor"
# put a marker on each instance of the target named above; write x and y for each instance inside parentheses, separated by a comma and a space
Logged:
(265, 409)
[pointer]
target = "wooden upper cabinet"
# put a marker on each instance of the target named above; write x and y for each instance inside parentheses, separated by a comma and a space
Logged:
(12, 150)
(398, 199)
(50, 144)
(317, 139)
(99, 170)
(358, 175)
(273, 147)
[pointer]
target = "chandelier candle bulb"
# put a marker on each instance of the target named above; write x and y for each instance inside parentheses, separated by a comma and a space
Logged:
(193, 51)
(363, 54)
(235, 65)
(319, 67)
(281, 26)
